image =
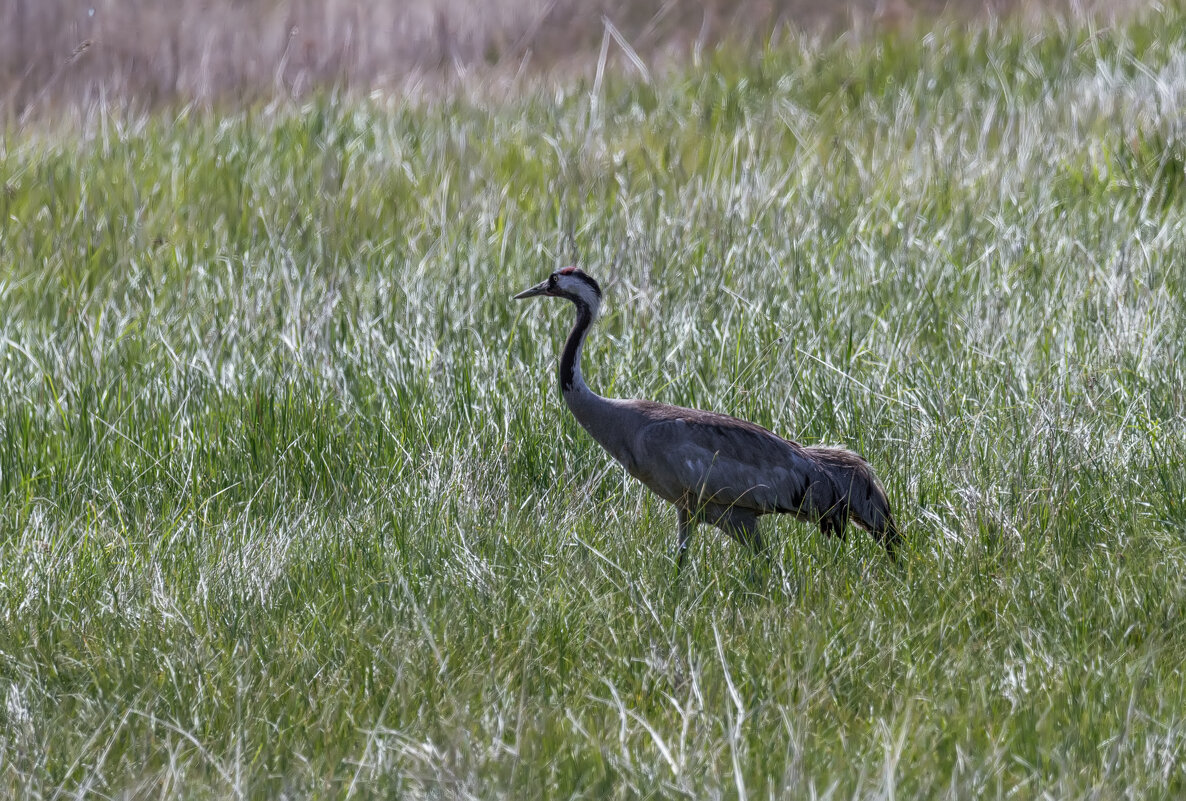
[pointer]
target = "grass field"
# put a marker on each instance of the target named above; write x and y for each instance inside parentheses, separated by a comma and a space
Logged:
(66, 56)
(292, 507)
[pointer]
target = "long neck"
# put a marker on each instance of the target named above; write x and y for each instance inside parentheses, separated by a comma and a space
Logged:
(571, 380)
(601, 417)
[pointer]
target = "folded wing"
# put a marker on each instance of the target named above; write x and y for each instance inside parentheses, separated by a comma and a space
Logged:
(700, 458)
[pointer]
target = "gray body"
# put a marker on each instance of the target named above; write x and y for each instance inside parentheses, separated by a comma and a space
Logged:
(713, 467)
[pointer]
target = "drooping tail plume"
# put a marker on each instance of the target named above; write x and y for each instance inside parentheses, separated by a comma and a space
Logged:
(868, 505)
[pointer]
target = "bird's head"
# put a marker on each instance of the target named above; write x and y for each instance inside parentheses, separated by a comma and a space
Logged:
(568, 282)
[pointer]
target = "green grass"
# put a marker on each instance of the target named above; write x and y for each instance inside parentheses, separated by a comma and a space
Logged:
(291, 505)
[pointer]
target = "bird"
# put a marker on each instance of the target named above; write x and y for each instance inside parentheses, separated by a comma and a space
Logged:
(712, 467)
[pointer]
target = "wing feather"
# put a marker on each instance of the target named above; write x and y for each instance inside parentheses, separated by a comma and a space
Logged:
(710, 458)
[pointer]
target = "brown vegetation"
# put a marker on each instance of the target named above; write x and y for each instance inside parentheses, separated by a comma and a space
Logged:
(74, 53)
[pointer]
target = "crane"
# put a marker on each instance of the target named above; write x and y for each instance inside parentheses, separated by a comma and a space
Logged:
(712, 467)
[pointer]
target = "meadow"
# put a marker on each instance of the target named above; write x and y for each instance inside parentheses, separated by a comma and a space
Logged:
(291, 506)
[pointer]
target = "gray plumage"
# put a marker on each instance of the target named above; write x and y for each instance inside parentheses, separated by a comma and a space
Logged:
(713, 467)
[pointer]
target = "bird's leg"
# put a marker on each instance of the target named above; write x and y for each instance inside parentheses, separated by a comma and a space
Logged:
(742, 526)
(685, 534)
(834, 524)
(749, 535)
(744, 529)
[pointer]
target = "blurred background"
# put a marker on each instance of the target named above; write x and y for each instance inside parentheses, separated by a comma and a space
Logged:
(57, 55)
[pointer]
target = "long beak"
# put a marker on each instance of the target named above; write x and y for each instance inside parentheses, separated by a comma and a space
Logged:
(539, 289)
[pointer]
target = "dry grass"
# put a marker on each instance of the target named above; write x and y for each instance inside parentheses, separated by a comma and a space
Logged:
(60, 55)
